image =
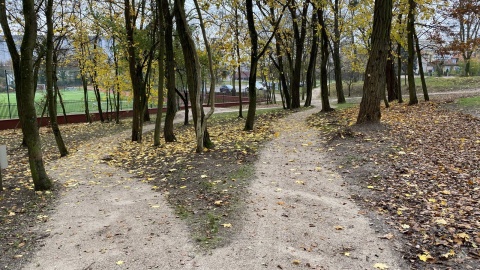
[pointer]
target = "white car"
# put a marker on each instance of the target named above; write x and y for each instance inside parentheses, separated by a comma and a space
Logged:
(259, 86)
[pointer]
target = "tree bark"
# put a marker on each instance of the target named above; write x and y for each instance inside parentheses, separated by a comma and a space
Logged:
(374, 85)
(23, 69)
(239, 69)
(283, 79)
(392, 83)
(50, 76)
(420, 67)
(411, 53)
(252, 92)
(337, 63)
(299, 39)
(323, 65)
(168, 130)
(161, 70)
(312, 61)
(193, 71)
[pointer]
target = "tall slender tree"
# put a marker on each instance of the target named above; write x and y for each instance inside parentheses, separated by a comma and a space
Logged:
(49, 68)
(412, 91)
(337, 61)
(160, 15)
(22, 63)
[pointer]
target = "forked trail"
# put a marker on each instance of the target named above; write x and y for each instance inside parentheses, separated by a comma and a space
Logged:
(298, 215)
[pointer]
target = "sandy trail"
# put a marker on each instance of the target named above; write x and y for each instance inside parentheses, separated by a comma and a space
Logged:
(298, 215)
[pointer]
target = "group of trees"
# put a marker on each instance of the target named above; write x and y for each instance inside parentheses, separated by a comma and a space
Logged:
(143, 48)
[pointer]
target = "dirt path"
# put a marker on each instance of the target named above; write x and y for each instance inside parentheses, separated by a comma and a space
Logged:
(298, 215)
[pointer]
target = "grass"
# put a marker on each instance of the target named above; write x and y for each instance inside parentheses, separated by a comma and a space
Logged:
(73, 101)
(434, 84)
(472, 102)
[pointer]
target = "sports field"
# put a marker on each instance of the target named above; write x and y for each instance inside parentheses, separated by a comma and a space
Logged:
(73, 100)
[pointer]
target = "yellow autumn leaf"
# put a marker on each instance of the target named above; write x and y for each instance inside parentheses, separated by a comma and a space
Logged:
(219, 202)
(370, 187)
(463, 236)
(441, 221)
(300, 182)
(155, 206)
(203, 176)
(425, 256)
(338, 228)
(227, 225)
(380, 266)
(183, 186)
(449, 254)
(347, 254)
(432, 200)
(120, 262)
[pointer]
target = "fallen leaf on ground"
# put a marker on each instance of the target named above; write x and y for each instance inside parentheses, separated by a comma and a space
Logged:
(380, 266)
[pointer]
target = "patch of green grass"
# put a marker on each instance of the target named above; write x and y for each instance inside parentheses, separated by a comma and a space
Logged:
(343, 106)
(182, 211)
(231, 115)
(434, 84)
(469, 102)
(244, 172)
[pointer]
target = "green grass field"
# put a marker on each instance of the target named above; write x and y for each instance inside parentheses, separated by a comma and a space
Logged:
(434, 84)
(72, 98)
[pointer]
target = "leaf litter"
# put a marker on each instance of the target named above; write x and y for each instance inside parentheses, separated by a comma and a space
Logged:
(420, 169)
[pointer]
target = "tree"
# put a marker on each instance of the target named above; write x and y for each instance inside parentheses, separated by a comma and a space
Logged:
(374, 85)
(420, 66)
(299, 25)
(140, 37)
(336, 53)
(194, 80)
(411, 52)
(465, 35)
(160, 14)
(255, 55)
(324, 50)
(313, 60)
(22, 63)
(50, 76)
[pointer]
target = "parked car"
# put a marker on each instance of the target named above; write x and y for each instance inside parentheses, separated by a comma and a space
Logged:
(259, 85)
(227, 89)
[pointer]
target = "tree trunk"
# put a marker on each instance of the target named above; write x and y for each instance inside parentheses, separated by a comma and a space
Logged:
(237, 34)
(324, 61)
(420, 67)
(23, 69)
(252, 92)
(207, 142)
(374, 85)
(193, 71)
(312, 61)
(392, 84)
(411, 53)
(283, 80)
(161, 71)
(168, 130)
(85, 98)
(336, 56)
(96, 88)
(49, 67)
(299, 39)
(136, 73)
(399, 72)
